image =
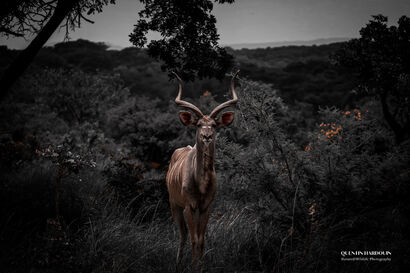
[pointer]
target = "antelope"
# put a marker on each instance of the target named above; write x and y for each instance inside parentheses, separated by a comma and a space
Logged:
(191, 177)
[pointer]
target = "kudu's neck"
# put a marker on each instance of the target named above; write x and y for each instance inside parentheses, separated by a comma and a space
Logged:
(205, 157)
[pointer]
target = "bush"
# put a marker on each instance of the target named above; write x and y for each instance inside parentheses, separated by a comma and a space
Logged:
(329, 196)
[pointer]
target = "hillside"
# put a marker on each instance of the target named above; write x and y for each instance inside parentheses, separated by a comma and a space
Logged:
(288, 43)
(300, 73)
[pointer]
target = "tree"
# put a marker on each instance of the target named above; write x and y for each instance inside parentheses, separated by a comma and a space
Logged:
(189, 41)
(40, 17)
(381, 59)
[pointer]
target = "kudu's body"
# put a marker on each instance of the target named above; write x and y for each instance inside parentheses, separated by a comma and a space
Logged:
(191, 178)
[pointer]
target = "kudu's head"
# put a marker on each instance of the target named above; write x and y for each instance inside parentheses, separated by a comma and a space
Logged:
(206, 124)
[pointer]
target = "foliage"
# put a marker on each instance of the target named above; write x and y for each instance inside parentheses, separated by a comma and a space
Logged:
(137, 188)
(64, 105)
(301, 74)
(16, 148)
(189, 41)
(20, 18)
(195, 38)
(381, 59)
(152, 134)
(317, 197)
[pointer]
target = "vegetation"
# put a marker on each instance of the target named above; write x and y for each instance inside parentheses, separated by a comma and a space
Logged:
(189, 41)
(42, 18)
(192, 47)
(381, 59)
(84, 154)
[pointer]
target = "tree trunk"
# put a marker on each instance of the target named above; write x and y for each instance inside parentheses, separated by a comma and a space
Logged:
(19, 65)
(398, 131)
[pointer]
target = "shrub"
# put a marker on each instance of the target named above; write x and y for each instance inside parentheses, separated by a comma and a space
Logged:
(316, 198)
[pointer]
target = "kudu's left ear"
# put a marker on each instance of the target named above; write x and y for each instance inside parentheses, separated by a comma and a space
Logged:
(187, 118)
(225, 119)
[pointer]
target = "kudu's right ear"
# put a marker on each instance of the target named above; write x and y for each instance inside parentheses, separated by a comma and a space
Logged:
(187, 118)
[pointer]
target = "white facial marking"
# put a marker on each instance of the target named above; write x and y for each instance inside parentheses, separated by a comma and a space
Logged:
(206, 127)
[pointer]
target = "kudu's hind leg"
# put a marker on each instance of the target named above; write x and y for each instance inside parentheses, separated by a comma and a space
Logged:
(178, 215)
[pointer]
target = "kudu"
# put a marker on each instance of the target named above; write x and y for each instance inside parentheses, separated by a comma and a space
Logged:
(191, 178)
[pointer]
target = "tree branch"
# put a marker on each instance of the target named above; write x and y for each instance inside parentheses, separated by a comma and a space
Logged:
(10, 32)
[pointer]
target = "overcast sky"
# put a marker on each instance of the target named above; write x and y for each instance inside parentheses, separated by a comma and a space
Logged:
(249, 21)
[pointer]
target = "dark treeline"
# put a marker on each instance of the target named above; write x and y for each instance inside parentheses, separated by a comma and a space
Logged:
(300, 73)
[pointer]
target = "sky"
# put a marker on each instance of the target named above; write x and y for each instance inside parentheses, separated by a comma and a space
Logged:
(246, 21)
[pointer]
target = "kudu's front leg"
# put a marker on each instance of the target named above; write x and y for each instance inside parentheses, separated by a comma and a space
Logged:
(203, 221)
(193, 224)
(178, 216)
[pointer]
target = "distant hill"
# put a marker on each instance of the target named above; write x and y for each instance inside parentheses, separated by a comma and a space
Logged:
(289, 43)
(300, 73)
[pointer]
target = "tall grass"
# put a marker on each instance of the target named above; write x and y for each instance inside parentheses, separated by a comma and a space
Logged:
(116, 241)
